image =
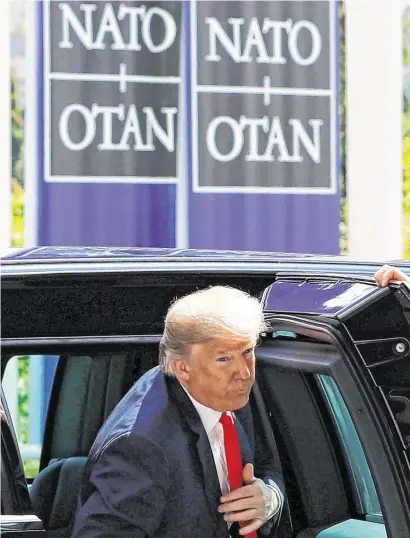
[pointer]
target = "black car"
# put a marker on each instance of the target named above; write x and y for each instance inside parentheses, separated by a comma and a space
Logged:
(331, 400)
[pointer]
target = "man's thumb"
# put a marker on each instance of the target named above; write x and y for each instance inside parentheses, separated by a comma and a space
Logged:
(248, 477)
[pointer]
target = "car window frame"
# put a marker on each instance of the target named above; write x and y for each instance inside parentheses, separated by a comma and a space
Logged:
(35, 448)
(12, 465)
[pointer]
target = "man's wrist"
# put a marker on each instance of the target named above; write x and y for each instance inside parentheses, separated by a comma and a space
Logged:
(273, 501)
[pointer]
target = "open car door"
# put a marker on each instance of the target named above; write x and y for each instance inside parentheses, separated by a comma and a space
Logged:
(334, 375)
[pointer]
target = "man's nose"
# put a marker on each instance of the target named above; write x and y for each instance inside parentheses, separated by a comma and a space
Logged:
(243, 368)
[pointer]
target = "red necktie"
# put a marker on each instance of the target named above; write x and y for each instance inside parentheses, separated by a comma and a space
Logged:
(233, 456)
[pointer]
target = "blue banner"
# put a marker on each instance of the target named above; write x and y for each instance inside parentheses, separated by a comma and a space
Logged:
(204, 124)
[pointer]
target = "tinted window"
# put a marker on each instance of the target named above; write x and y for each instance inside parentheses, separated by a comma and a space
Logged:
(104, 306)
(366, 499)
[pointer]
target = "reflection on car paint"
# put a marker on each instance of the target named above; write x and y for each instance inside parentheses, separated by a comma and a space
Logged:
(110, 252)
(315, 297)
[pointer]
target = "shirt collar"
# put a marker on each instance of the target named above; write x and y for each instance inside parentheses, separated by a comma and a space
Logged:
(208, 416)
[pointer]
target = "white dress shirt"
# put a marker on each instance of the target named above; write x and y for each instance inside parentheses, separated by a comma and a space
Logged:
(214, 430)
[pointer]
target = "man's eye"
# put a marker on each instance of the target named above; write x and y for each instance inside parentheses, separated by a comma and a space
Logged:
(221, 359)
(249, 351)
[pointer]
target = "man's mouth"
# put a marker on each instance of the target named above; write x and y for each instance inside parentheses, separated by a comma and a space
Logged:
(242, 390)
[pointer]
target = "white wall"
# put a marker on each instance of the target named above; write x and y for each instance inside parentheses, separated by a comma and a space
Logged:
(5, 131)
(374, 124)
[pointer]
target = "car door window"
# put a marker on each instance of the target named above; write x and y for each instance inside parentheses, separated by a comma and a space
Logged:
(27, 382)
(366, 500)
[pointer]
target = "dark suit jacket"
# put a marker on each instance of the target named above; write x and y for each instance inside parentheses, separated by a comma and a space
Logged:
(151, 470)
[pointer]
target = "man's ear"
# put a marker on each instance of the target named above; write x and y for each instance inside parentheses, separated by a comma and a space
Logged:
(181, 369)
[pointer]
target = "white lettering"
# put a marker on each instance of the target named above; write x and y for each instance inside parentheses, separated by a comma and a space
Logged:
(237, 136)
(232, 47)
(276, 138)
(107, 113)
(255, 39)
(134, 13)
(253, 124)
(132, 127)
(275, 141)
(170, 29)
(316, 43)
(277, 27)
(84, 33)
(312, 146)
(109, 24)
(166, 137)
(89, 127)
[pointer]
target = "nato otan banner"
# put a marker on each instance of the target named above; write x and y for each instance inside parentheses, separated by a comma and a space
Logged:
(205, 124)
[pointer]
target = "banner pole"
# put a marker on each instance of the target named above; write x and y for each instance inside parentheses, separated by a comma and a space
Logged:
(182, 186)
(31, 154)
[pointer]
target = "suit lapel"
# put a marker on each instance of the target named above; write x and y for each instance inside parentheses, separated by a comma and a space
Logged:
(210, 476)
(246, 452)
(211, 483)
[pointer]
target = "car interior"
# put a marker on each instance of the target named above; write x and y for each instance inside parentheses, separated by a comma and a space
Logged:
(87, 386)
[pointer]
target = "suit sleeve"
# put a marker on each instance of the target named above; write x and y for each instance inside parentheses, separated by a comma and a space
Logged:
(128, 485)
(266, 464)
(267, 467)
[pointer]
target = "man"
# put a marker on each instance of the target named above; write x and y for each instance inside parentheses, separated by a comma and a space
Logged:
(386, 273)
(175, 458)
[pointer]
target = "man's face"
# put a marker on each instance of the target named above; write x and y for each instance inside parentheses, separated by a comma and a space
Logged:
(220, 373)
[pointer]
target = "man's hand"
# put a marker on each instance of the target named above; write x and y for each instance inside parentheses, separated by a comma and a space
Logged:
(249, 503)
(387, 273)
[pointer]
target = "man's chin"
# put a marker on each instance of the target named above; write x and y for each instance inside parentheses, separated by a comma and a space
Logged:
(240, 401)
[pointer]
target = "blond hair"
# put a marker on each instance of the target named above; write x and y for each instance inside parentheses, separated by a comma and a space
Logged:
(209, 314)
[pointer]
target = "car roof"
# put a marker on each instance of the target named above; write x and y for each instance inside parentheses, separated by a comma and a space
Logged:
(64, 254)
(76, 260)
(72, 254)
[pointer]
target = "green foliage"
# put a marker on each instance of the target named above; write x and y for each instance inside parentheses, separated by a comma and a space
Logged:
(23, 400)
(406, 192)
(31, 468)
(343, 226)
(17, 167)
(17, 133)
(406, 137)
(17, 204)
